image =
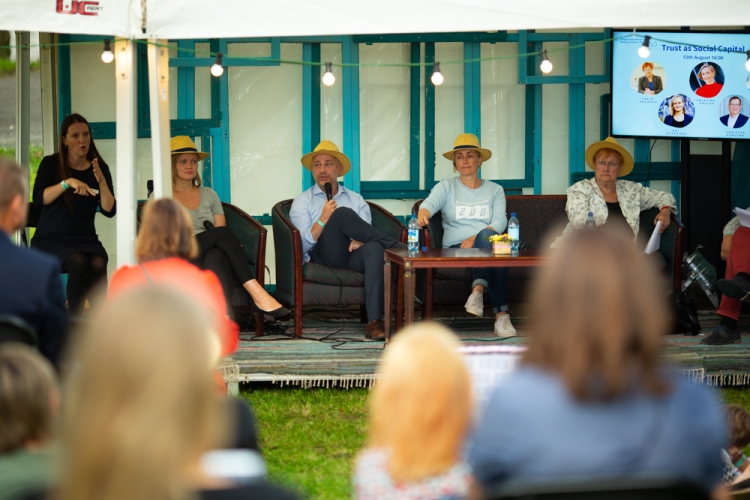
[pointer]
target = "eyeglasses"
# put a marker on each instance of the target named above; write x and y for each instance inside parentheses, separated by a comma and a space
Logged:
(608, 164)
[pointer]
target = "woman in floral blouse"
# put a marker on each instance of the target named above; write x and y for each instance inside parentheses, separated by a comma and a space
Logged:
(610, 199)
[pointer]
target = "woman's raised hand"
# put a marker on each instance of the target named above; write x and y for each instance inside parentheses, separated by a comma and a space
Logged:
(97, 171)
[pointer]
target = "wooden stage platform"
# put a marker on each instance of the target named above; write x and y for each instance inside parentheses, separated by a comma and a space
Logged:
(333, 350)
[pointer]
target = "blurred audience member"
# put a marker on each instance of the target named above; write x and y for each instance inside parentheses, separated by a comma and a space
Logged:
(31, 287)
(591, 398)
(141, 409)
(419, 416)
(735, 461)
(29, 403)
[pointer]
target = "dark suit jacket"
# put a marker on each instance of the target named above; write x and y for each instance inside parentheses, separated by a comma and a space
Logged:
(31, 289)
(643, 84)
(741, 120)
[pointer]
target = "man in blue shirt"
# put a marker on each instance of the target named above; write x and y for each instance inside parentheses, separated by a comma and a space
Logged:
(337, 233)
(31, 287)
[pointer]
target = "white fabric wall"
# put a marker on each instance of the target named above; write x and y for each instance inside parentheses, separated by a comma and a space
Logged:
(449, 105)
(384, 112)
(265, 133)
(503, 103)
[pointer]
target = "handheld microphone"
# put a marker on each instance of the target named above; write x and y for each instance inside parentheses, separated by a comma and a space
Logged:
(329, 190)
(207, 224)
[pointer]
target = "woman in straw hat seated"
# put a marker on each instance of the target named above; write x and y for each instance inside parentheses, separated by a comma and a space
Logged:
(591, 398)
(420, 412)
(611, 200)
(218, 248)
(473, 210)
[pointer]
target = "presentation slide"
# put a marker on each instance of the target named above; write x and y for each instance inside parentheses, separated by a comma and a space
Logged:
(691, 85)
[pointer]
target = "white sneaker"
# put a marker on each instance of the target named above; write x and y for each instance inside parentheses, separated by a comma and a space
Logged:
(503, 327)
(475, 304)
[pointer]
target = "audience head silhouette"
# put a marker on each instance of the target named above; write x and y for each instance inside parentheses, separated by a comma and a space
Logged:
(598, 314)
(141, 407)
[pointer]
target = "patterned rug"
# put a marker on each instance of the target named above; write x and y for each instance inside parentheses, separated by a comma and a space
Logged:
(334, 352)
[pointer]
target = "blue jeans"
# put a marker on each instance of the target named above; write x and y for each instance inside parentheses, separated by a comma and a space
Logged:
(494, 279)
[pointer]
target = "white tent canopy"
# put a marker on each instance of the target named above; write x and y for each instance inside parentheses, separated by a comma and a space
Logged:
(189, 19)
(180, 19)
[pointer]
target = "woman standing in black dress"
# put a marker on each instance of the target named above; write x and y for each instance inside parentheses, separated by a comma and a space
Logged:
(70, 186)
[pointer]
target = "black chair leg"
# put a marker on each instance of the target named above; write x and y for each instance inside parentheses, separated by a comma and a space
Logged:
(362, 313)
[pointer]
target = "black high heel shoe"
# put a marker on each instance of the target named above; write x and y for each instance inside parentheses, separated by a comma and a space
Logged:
(276, 313)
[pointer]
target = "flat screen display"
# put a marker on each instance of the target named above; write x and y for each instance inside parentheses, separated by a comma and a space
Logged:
(690, 86)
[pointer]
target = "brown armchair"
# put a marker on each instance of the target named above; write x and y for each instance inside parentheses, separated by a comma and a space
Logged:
(252, 236)
(300, 285)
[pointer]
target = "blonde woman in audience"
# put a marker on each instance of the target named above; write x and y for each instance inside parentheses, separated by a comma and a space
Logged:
(420, 412)
(141, 409)
(591, 397)
(29, 405)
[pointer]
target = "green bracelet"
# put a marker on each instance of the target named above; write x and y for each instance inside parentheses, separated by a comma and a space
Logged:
(320, 222)
(65, 185)
(740, 461)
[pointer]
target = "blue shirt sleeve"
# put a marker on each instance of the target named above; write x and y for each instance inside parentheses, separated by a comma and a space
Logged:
(437, 198)
(363, 208)
(499, 217)
(301, 216)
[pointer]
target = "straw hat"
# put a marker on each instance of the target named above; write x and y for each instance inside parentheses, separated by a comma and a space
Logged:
(328, 148)
(468, 141)
(182, 144)
(610, 143)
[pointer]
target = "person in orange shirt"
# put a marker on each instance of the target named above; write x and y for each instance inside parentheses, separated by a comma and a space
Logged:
(164, 245)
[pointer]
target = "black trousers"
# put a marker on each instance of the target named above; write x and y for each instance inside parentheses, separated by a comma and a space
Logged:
(332, 250)
(221, 252)
(86, 271)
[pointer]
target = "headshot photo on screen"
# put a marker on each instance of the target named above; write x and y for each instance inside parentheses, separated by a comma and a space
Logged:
(677, 111)
(733, 111)
(649, 78)
(707, 79)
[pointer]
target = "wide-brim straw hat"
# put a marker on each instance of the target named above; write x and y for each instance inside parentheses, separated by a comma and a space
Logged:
(328, 148)
(468, 141)
(182, 144)
(610, 143)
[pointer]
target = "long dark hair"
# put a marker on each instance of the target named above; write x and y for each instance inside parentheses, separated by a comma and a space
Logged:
(64, 171)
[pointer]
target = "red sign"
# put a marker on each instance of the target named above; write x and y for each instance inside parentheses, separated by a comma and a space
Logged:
(83, 7)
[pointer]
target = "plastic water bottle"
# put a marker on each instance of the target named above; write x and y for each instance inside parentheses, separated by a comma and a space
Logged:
(514, 231)
(413, 240)
(590, 224)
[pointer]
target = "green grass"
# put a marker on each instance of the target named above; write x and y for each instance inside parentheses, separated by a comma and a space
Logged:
(8, 67)
(310, 437)
(36, 153)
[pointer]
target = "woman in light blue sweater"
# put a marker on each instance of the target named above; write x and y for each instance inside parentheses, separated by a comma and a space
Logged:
(473, 210)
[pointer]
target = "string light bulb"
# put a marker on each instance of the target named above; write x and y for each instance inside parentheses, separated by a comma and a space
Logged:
(217, 69)
(328, 77)
(107, 55)
(546, 64)
(747, 63)
(644, 50)
(437, 77)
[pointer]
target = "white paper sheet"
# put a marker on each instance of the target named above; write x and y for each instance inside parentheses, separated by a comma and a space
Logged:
(655, 241)
(743, 215)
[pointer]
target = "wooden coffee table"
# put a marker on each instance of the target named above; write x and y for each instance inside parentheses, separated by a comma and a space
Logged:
(442, 258)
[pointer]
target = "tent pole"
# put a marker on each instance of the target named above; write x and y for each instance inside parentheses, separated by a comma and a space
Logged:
(126, 81)
(23, 88)
(158, 91)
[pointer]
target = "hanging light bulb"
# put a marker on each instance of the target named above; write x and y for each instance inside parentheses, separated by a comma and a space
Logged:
(437, 77)
(747, 63)
(328, 77)
(107, 55)
(546, 64)
(643, 50)
(217, 69)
